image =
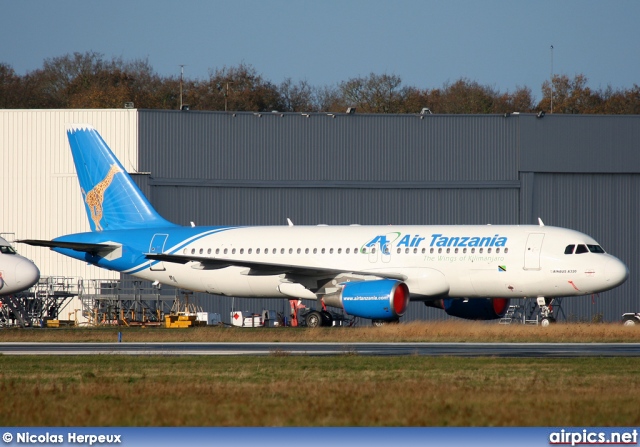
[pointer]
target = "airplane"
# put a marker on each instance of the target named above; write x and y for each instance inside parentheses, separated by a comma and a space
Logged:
(470, 271)
(17, 273)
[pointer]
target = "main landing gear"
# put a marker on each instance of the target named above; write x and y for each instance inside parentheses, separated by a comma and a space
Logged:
(319, 318)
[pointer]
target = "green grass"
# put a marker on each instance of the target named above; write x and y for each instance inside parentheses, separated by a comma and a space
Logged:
(287, 390)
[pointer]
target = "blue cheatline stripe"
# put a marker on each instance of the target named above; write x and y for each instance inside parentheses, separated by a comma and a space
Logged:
(173, 250)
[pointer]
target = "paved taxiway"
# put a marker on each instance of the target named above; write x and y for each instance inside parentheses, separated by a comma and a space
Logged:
(379, 349)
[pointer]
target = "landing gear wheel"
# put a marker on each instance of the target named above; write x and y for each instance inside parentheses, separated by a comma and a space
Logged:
(314, 319)
(630, 321)
(327, 319)
(378, 323)
(547, 321)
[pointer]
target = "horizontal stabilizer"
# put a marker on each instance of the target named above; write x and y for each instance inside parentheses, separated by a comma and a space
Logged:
(94, 249)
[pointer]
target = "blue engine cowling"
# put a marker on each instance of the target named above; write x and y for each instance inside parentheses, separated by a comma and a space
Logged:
(474, 308)
(383, 299)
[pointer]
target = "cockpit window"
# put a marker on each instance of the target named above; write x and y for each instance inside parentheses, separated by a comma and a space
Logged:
(7, 250)
(581, 249)
(569, 249)
(595, 249)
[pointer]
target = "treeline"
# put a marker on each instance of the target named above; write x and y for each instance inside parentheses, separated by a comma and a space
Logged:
(88, 80)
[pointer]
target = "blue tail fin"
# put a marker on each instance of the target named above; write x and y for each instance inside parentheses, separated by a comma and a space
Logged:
(112, 200)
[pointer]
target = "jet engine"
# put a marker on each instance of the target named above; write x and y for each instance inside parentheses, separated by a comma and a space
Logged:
(383, 299)
(474, 308)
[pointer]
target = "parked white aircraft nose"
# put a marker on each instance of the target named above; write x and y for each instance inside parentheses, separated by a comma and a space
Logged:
(27, 274)
(616, 272)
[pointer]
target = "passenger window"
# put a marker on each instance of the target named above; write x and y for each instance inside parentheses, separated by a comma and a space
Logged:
(569, 249)
(506, 250)
(415, 250)
(257, 251)
(299, 250)
(480, 251)
(233, 252)
(209, 251)
(217, 251)
(291, 251)
(323, 251)
(193, 251)
(339, 250)
(201, 251)
(399, 250)
(489, 250)
(347, 251)
(315, 251)
(306, 251)
(424, 250)
(249, 251)
(431, 250)
(456, 250)
(439, 250)
(406, 250)
(282, 251)
(498, 250)
(473, 250)
(242, 251)
(464, 250)
(331, 251)
(225, 251)
(581, 249)
(448, 250)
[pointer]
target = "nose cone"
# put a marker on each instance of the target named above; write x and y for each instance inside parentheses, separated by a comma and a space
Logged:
(615, 272)
(27, 274)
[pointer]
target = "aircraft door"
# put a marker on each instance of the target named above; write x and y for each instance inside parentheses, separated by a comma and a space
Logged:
(385, 252)
(373, 251)
(157, 247)
(532, 251)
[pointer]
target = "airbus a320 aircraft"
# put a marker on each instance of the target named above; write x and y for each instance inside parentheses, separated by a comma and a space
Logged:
(17, 273)
(369, 271)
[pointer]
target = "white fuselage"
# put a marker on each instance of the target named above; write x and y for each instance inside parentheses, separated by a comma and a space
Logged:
(434, 261)
(17, 273)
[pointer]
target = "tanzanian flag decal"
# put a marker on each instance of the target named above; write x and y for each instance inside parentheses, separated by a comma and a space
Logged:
(502, 268)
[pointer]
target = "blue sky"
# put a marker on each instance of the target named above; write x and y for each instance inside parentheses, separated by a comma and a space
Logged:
(499, 43)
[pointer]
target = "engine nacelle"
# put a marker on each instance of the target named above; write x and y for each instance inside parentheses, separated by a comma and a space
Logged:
(383, 299)
(473, 308)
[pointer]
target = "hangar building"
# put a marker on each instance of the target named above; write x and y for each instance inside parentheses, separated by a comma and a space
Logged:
(225, 168)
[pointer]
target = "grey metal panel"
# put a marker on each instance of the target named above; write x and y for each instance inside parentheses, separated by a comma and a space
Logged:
(276, 147)
(580, 143)
(214, 168)
(272, 206)
(604, 206)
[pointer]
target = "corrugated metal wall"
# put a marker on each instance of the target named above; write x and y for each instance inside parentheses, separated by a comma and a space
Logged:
(39, 189)
(604, 206)
(259, 169)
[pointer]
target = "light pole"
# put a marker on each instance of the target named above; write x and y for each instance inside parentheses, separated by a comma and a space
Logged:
(181, 75)
(551, 86)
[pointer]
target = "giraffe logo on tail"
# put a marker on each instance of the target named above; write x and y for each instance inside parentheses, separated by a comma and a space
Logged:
(95, 197)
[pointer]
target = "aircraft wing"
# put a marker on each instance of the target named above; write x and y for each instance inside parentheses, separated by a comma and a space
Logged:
(94, 249)
(266, 268)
